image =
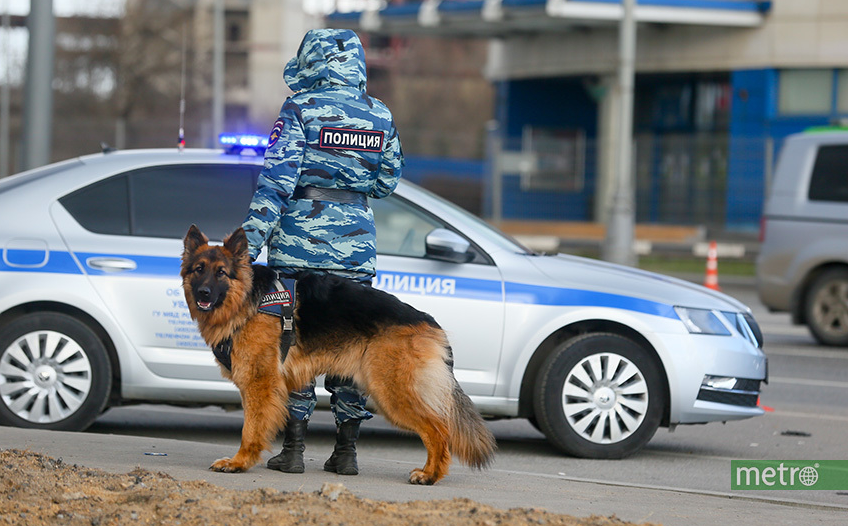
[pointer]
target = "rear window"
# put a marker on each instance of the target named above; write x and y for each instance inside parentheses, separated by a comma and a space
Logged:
(830, 174)
(164, 201)
(101, 207)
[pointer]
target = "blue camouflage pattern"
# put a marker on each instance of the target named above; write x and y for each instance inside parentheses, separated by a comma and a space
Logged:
(363, 154)
(346, 401)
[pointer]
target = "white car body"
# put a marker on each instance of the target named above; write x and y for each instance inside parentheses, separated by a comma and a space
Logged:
(505, 311)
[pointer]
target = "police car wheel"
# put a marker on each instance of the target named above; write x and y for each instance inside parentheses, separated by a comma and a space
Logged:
(599, 395)
(827, 308)
(54, 373)
(535, 423)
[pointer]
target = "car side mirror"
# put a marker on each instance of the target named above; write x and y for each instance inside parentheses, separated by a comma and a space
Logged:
(445, 245)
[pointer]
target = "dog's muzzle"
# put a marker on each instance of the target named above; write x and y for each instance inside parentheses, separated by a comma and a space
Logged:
(203, 299)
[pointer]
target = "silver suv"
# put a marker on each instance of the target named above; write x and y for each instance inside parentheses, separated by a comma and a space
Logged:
(803, 263)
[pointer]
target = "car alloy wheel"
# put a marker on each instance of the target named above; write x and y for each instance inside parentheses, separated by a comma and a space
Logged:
(605, 398)
(54, 373)
(599, 395)
(46, 377)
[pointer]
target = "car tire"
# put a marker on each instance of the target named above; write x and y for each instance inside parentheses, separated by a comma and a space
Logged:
(826, 308)
(599, 395)
(535, 423)
(54, 373)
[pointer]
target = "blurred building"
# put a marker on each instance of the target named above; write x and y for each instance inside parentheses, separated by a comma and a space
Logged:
(260, 36)
(719, 83)
(118, 80)
(83, 77)
(480, 83)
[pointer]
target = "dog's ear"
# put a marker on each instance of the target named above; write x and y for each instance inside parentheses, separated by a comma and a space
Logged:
(236, 243)
(194, 239)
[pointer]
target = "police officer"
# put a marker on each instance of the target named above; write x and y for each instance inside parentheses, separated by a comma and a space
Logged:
(332, 147)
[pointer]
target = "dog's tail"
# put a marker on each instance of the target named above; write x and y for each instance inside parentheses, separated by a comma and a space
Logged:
(470, 439)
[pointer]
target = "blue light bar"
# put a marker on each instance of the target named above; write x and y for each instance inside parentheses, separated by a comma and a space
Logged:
(242, 140)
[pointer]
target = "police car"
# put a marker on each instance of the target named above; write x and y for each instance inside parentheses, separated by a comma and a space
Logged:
(596, 356)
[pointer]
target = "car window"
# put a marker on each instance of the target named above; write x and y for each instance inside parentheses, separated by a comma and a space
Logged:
(482, 228)
(101, 207)
(164, 201)
(403, 227)
(829, 181)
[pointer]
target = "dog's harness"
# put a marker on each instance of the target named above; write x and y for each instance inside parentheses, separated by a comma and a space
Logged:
(279, 301)
(222, 353)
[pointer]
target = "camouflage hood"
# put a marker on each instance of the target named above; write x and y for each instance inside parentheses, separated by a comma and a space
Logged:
(327, 56)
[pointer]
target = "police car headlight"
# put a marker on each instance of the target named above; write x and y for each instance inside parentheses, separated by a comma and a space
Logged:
(701, 321)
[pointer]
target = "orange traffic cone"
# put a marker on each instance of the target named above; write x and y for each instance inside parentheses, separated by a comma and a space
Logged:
(711, 279)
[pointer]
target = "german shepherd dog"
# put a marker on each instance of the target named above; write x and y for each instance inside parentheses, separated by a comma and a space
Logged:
(397, 354)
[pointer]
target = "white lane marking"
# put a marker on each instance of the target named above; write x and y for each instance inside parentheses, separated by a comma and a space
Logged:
(795, 414)
(808, 381)
(808, 353)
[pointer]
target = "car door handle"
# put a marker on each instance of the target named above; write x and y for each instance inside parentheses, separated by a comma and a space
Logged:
(111, 264)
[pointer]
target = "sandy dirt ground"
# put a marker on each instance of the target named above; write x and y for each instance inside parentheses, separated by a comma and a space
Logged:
(37, 490)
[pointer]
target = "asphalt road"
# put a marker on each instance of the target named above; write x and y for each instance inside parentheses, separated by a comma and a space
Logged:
(681, 477)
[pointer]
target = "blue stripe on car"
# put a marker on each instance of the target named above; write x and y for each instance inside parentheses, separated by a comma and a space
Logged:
(145, 265)
(19, 260)
(541, 295)
(394, 282)
(489, 290)
(439, 285)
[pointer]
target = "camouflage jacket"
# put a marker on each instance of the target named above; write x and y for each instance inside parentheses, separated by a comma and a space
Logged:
(330, 134)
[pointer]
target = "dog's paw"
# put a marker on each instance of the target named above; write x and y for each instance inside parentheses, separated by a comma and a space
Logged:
(417, 476)
(226, 465)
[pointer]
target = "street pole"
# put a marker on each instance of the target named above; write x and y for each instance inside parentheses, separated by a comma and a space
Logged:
(5, 98)
(38, 98)
(494, 146)
(218, 71)
(618, 243)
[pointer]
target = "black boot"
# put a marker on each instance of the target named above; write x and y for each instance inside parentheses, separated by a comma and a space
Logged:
(343, 459)
(290, 459)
